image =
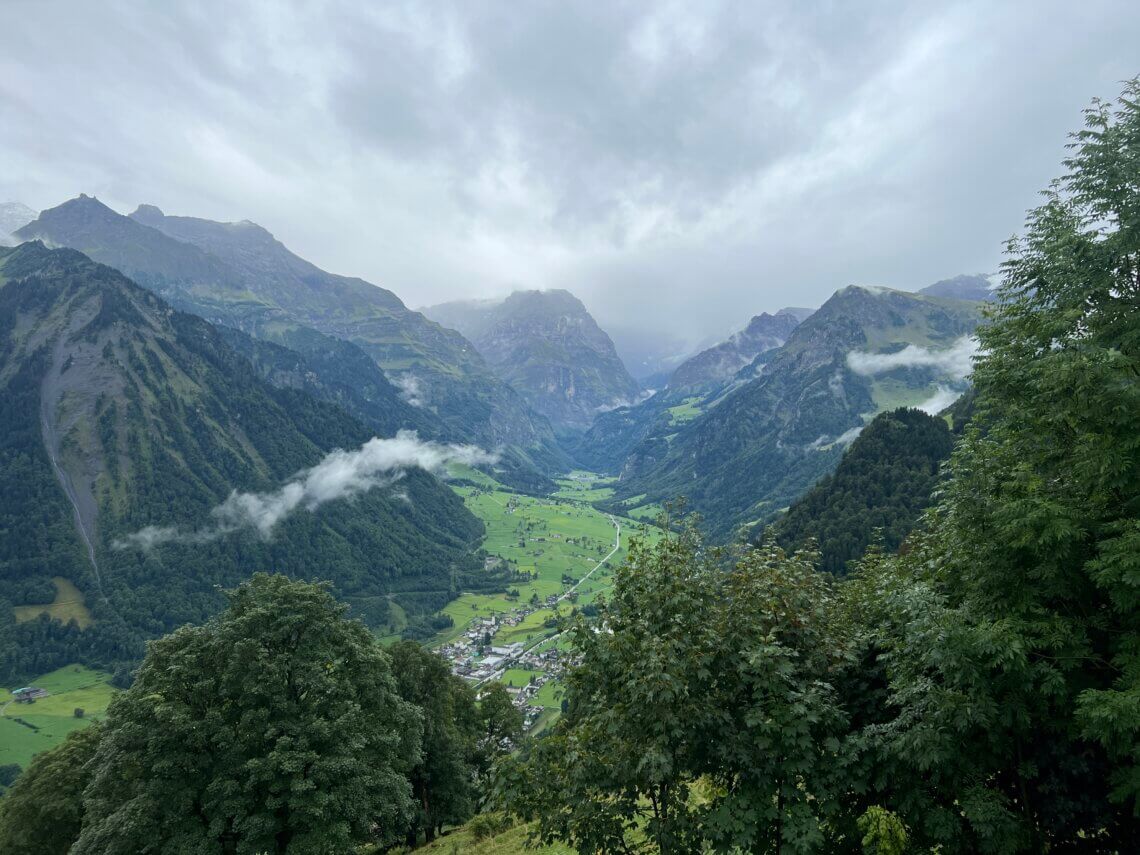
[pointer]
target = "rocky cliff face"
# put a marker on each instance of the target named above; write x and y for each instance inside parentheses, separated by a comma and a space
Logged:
(548, 347)
(718, 364)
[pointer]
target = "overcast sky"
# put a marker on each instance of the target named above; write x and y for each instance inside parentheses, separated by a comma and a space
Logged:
(679, 166)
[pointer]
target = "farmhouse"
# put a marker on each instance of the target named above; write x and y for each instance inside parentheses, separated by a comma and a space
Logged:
(28, 694)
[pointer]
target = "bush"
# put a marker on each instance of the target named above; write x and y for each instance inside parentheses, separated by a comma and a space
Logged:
(489, 825)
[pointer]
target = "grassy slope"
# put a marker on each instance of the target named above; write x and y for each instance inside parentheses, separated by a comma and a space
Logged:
(511, 842)
(68, 605)
(71, 687)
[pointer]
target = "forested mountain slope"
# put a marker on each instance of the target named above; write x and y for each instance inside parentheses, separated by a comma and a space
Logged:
(692, 387)
(238, 275)
(883, 482)
(548, 347)
(794, 409)
(122, 414)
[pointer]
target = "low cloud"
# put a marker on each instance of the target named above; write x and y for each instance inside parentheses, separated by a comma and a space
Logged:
(410, 391)
(342, 474)
(939, 401)
(618, 403)
(955, 361)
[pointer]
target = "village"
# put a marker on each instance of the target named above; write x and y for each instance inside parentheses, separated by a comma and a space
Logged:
(476, 659)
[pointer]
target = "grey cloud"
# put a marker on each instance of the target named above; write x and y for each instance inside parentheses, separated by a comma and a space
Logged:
(687, 164)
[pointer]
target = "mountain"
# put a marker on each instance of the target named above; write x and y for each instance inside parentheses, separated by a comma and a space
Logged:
(549, 348)
(120, 415)
(965, 287)
(13, 216)
(785, 419)
(239, 275)
(716, 365)
(883, 482)
(691, 388)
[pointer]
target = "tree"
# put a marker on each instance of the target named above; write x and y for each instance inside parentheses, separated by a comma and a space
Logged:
(703, 714)
(442, 779)
(274, 727)
(1014, 629)
(43, 812)
(500, 724)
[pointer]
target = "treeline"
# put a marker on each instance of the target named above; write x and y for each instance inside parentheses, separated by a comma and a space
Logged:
(278, 726)
(978, 693)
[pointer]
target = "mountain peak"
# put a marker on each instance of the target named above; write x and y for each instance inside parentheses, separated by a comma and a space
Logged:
(548, 346)
(147, 214)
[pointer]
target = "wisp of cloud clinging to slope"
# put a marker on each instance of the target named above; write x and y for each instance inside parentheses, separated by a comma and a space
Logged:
(341, 474)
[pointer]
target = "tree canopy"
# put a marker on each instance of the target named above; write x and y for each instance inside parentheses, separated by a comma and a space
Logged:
(274, 727)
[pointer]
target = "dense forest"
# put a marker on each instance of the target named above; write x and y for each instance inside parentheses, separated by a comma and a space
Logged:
(880, 487)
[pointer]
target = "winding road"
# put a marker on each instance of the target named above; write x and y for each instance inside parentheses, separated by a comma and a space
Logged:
(617, 545)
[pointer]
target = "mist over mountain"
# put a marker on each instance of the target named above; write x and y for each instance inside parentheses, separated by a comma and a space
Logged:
(13, 216)
(548, 347)
(123, 415)
(238, 275)
(718, 364)
(964, 287)
(743, 450)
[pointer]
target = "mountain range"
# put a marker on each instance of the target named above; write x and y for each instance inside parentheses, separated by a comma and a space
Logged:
(144, 460)
(548, 347)
(740, 450)
(238, 275)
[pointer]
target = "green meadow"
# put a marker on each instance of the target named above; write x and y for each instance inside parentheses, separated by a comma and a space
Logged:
(27, 729)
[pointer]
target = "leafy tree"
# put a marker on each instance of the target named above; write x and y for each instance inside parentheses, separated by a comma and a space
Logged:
(274, 727)
(1013, 633)
(43, 811)
(500, 724)
(704, 714)
(442, 779)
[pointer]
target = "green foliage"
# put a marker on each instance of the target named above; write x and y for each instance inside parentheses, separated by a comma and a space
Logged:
(882, 484)
(705, 714)
(441, 780)
(43, 812)
(276, 726)
(1011, 632)
(883, 832)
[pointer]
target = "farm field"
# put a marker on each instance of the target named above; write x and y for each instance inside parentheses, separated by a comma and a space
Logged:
(545, 537)
(50, 719)
(68, 605)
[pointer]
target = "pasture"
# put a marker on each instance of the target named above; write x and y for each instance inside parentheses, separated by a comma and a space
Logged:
(68, 605)
(45, 723)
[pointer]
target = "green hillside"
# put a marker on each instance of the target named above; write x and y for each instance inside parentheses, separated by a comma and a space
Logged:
(882, 484)
(152, 420)
(786, 419)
